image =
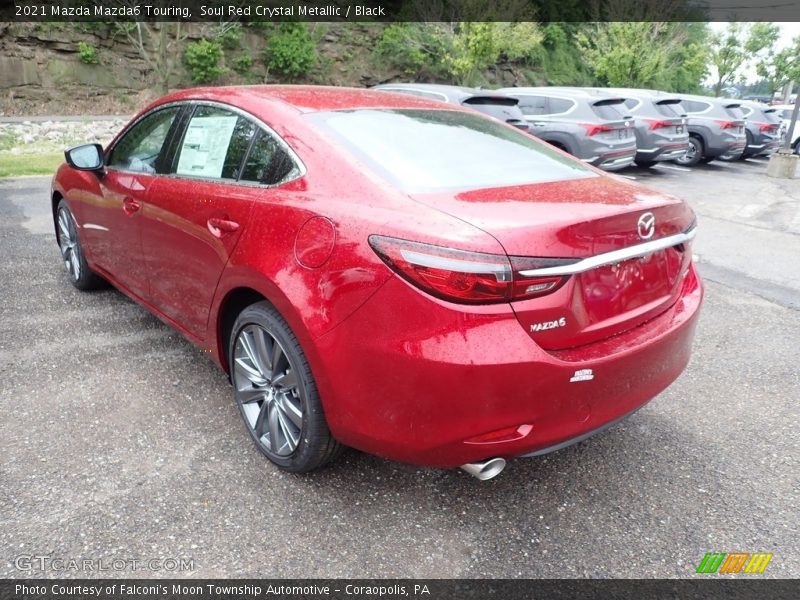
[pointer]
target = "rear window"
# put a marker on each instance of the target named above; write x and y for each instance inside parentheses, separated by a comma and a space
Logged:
(671, 108)
(693, 106)
(771, 115)
(735, 111)
(486, 100)
(611, 110)
(436, 150)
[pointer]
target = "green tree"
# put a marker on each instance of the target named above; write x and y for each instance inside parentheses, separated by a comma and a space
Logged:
(477, 46)
(734, 48)
(776, 68)
(630, 54)
(292, 51)
(203, 59)
(456, 50)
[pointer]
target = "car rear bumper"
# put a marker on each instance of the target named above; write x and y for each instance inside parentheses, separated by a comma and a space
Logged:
(418, 380)
(666, 152)
(729, 149)
(614, 160)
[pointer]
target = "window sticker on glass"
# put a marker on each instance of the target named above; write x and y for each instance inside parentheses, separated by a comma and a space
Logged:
(205, 146)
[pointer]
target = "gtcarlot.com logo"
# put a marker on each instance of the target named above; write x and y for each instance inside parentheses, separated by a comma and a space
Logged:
(33, 562)
(734, 562)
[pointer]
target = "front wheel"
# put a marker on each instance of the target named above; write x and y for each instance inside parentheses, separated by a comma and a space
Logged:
(276, 394)
(81, 276)
(693, 154)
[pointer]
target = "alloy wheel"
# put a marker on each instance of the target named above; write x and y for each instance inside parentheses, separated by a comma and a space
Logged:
(268, 391)
(68, 240)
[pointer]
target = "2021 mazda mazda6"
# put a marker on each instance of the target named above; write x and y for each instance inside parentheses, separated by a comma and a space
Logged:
(398, 275)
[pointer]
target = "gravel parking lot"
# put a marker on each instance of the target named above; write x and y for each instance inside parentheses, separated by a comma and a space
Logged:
(120, 440)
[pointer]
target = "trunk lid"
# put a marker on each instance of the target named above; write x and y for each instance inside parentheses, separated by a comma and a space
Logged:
(576, 220)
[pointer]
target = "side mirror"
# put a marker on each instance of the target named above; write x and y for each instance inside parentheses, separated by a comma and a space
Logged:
(88, 157)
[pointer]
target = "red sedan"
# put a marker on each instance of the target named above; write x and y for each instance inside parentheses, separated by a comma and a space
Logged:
(398, 275)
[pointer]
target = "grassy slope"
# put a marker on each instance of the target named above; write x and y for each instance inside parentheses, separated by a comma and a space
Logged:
(14, 165)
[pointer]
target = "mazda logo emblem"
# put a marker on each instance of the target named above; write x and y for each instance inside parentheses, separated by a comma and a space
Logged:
(646, 226)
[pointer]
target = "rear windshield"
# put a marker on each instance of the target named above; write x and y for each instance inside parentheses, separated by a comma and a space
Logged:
(436, 150)
(488, 100)
(770, 115)
(735, 111)
(671, 108)
(611, 110)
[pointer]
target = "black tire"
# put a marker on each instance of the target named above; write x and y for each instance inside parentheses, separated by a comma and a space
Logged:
(694, 155)
(81, 276)
(276, 394)
(646, 164)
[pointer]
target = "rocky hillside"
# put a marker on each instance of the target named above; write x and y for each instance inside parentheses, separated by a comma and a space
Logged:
(44, 71)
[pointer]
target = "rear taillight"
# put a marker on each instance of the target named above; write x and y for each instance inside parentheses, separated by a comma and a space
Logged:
(466, 277)
(592, 129)
(661, 124)
(763, 127)
(728, 124)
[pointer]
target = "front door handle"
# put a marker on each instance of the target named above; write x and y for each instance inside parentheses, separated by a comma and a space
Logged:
(219, 227)
(130, 206)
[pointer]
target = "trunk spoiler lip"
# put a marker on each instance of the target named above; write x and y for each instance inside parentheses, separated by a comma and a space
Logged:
(615, 256)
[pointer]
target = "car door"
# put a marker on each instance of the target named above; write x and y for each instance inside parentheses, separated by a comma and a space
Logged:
(112, 220)
(194, 218)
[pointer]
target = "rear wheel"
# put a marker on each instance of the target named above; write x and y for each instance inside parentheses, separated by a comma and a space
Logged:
(81, 276)
(276, 393)
(693, 154)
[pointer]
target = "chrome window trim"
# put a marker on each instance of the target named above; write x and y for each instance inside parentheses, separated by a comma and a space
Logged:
(299, 165)
(615, 256)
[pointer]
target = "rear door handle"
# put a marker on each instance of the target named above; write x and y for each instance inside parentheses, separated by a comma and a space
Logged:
(130, 206)
(219, 227)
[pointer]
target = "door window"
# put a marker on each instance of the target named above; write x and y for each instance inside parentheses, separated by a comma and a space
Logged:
(214, 144)
(141, 147)
(268, 162)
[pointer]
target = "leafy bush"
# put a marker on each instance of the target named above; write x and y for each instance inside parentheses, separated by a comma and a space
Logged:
(242, 64)
(88, 53)
(202, 59)
(291, 52)
(232, 38)
(415, 48)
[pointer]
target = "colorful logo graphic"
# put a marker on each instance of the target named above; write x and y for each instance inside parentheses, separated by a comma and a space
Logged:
(734, 562)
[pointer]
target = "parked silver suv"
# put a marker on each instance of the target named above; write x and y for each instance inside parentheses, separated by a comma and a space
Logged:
(495, 105)
(659, 124)
(716, 128)
(596, 129)
(763, 129)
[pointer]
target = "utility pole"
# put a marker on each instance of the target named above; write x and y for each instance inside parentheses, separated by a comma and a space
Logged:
(783, 163)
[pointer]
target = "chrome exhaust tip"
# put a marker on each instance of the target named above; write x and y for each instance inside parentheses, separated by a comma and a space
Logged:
(487, 469)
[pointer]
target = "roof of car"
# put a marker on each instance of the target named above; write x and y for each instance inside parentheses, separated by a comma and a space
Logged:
(307, 98)
(711, 99)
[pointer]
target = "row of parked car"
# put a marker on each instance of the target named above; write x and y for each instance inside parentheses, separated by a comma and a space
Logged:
(612, 128)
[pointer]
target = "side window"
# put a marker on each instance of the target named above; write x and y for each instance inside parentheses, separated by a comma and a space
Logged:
(215, 144)
(559, 105)
(140, 147)
(268, 162)
(533, 105)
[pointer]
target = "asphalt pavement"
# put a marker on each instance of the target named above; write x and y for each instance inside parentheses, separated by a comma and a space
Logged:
(119, 440)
